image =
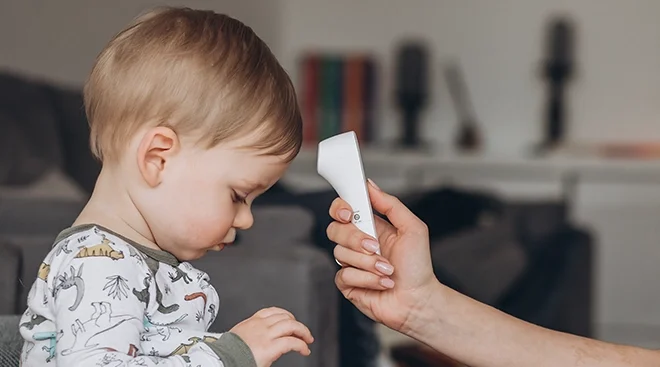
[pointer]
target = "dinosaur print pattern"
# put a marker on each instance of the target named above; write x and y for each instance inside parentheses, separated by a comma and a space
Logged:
(86, 334)
(64, 282)
(64, 247)
(196, 295)
(162, 329)
(52, 338)
(34, 321)
(185, 347)
(106, 305)
(143, 296)
(104, 249)
(44, 270)
(132, 350)
(178, 275)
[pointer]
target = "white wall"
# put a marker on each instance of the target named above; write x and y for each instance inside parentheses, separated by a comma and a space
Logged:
(59, 40)
(499, 45)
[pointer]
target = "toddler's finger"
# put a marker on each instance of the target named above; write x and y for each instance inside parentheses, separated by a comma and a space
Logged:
(288, 344)
(274, 319)
(292, 328)
(270, 311)
(372, 263)
(341, 211)
(348, 278)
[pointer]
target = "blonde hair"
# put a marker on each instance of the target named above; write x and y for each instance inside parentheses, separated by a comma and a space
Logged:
(196, 72)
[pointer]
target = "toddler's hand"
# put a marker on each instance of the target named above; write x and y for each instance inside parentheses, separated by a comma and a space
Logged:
(272, 332)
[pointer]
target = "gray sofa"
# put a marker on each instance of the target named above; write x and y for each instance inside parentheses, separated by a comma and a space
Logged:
(268, 267)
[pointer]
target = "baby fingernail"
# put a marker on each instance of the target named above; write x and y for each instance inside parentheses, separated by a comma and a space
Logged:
(345, 214)
(370, 245)
(384, 268)
(387, 282)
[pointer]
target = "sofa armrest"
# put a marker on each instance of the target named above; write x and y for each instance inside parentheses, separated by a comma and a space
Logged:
(30, 223)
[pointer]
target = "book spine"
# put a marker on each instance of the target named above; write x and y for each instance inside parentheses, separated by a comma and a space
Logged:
(353, 96)
(331, 82)
(369, 99)
(310, 99)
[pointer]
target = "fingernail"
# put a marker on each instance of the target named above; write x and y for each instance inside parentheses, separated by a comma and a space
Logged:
(345, 214)
(370, 245)
(373, 184)
(384, 268)
(387, 282)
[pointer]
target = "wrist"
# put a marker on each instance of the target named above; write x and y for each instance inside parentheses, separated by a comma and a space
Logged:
(425, 315)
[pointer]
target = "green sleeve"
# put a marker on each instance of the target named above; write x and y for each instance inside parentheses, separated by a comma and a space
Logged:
(232, 351)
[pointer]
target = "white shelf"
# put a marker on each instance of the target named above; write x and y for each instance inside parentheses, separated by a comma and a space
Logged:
(384, 163)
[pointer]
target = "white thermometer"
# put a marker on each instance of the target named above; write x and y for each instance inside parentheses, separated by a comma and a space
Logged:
(339, 162)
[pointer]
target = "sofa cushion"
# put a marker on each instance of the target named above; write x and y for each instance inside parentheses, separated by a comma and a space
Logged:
(483, 263)
(276, 225)
(20, 164)
(30, 104)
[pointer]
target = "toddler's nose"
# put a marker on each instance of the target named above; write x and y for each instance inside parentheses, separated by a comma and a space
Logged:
(244, 219)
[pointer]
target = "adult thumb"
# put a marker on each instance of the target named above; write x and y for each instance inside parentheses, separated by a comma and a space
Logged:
(396, 212)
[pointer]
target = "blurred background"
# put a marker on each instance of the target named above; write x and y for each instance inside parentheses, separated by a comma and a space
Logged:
(525, 132)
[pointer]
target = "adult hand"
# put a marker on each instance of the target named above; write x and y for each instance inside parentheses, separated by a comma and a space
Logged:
(388, 288)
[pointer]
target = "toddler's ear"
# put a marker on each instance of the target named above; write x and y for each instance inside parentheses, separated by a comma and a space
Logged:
(157, 146)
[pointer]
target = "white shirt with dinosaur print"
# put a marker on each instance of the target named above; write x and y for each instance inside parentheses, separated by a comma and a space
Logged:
(102, 300)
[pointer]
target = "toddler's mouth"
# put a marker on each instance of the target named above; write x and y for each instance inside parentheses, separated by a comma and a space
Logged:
(221, 246)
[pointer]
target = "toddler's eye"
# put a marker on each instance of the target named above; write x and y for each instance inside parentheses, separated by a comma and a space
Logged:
(238, 199)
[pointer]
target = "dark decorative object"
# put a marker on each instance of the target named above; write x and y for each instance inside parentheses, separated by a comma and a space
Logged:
(558, 69)
(411, 89)
(469, 137)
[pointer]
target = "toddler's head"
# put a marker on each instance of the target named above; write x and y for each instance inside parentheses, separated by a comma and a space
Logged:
(194, 114)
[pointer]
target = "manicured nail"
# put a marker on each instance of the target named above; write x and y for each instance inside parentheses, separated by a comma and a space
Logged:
(345, 215)
(387, 282)
(370, 245)
(374, 184)
(384, 268)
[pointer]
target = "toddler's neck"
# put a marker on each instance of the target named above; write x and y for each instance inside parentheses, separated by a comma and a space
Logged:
(111, 206)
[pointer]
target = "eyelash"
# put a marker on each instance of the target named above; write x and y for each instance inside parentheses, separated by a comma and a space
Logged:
(238, 199)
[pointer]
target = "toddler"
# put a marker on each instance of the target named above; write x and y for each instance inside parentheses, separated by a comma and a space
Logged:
(192, 118)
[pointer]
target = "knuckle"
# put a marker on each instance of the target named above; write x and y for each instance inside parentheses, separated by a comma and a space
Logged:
(351, 296)
(356, 239)
(344, 277)
(338, 278)
(339, 251)
(334, 206)
(331, 229)
(423, 228)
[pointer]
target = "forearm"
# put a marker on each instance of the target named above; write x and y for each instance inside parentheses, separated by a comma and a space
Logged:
(482, 336)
